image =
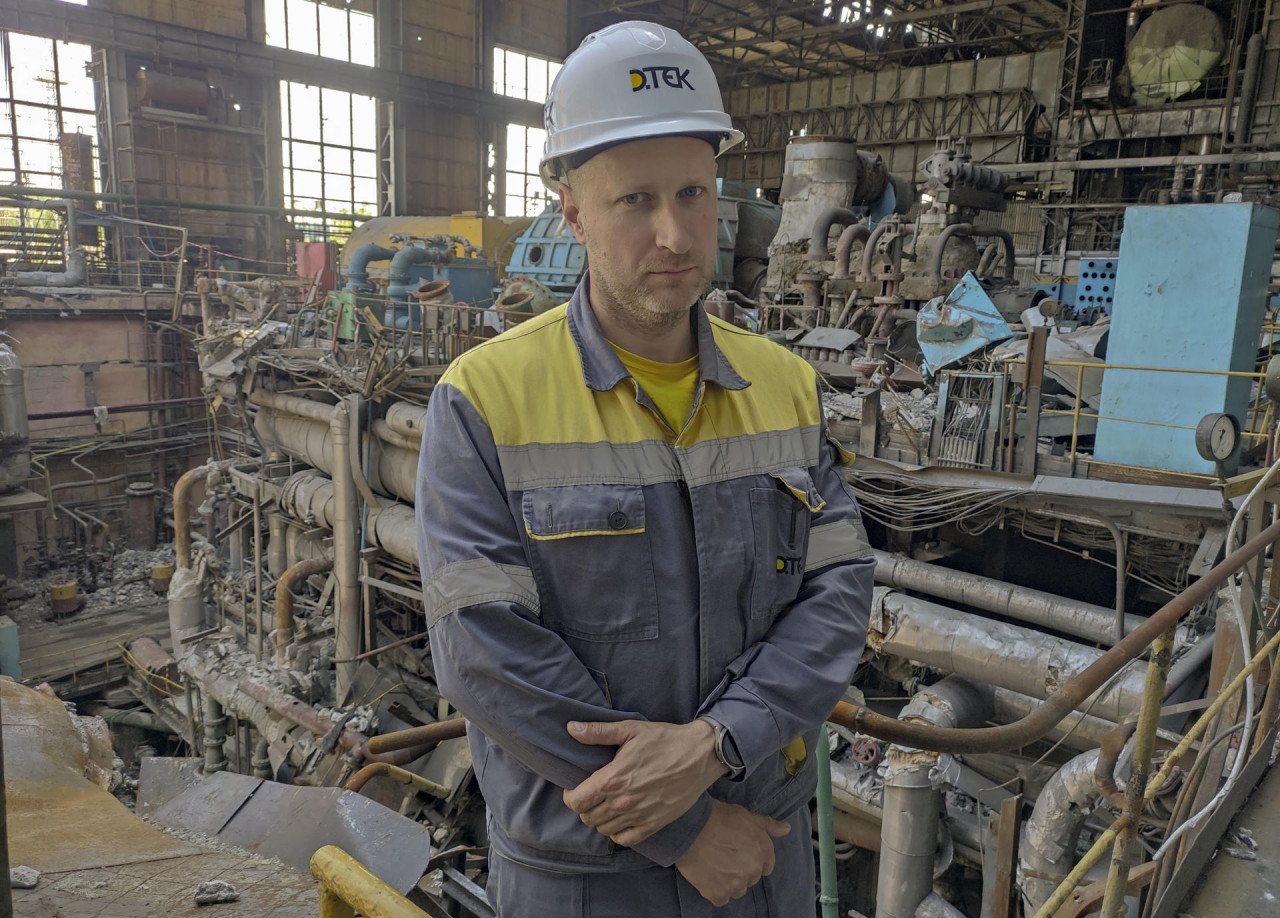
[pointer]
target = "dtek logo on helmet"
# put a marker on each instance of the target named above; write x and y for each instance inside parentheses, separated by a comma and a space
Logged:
(657, 77)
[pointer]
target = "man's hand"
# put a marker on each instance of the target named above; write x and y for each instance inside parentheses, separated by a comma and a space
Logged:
(731, 854)
(656, 775)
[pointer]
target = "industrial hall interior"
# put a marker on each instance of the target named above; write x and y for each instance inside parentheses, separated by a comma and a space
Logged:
(296, 322)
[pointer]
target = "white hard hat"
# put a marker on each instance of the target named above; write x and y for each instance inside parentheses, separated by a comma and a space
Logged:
(627, 82)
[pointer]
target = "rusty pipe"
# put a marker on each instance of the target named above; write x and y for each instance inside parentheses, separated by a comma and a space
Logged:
(935, 262)
(373, 769)
(1065, 700)
(822, 230)
(291, 579)
(430, 735)
(869, 249)
(1006, 242)
(855, 232)
(305, 716)
(182, 513)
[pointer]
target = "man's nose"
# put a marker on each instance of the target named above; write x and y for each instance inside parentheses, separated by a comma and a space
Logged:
(673, 230)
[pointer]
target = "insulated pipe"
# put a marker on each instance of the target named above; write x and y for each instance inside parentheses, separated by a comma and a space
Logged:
(1009, 656)
(74, 276)
(382, 430)
(855, 232)
(939, 246)
(344, 521)
(391, 525)
(358, 266)
(1074, 692)
(1048, 846)
(822, 230)
(934, 906)
(291, 579)
(277, 545)
(913, 796)
(1006, 240)
(1070, 616)
(407, 419)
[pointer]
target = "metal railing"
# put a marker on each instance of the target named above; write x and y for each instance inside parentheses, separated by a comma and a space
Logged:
(1254, 426)
(347, 887)
(1156, 632)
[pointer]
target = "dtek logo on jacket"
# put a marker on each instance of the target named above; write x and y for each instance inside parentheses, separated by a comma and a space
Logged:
(657, 77)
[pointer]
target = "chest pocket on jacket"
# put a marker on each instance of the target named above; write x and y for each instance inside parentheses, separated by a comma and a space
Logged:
(593, 560)
(780, 519)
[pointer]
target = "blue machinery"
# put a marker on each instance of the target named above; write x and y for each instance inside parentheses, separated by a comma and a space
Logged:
(420, 260)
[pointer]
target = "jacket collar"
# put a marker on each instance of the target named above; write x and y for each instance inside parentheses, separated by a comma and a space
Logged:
(601, 368)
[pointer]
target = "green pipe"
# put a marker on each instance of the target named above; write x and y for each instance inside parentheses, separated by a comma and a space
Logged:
(826, 830)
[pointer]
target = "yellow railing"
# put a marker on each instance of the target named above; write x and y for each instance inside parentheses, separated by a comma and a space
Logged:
(347, 887)
(1254, 427)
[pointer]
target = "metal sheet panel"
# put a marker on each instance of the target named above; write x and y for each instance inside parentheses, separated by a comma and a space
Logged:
(1190, 292)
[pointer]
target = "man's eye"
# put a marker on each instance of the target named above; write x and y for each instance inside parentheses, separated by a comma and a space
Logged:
(634, 198)
(692, 191)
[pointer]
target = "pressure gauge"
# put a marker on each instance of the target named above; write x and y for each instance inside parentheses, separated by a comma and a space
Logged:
(1217, 436)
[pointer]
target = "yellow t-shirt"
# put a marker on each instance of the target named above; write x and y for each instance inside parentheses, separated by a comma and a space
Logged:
(672, 386)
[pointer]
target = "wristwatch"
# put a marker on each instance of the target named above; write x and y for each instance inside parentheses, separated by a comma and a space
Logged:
(726, 749)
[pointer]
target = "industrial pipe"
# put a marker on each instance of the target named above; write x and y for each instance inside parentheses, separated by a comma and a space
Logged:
(382, 430)
(289, 581)
(1048, 846)
(1006, 240)
(373, 769)
(344, 520)
(144, 720)
(277, 544)
(358, 266)
(913, 796)
(856, 232)
(869, 249)
(186, 601)
(830, 217)
(1248, 96)
(305, 716)
(115, 409)
(215, 734)
(1070, 695)
(182, 513)
(1047, 610)
(430, 735)
(76, 272)
(940, 245)
(1010, 656)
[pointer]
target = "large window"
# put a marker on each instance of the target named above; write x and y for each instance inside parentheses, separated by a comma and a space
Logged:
(46, 98)
(340, 29)
(523, 76)
(329, 137)
(330, 161)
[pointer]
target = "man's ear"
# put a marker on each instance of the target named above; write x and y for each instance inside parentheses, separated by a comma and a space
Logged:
(571, 214)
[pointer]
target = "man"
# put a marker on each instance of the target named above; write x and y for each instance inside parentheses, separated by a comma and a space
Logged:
(645, 578)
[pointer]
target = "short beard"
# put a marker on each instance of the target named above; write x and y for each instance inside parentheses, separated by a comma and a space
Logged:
(631, 306)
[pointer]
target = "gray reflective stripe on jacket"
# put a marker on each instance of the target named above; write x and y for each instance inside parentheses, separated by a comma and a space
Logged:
(581, 561)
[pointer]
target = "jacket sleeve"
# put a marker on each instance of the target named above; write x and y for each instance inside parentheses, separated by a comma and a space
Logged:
(515, 680)
(788, 682)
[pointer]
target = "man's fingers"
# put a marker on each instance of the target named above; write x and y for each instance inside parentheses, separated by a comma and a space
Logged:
(585, 797)
(628, 837)
(774, 828)
(602, 733)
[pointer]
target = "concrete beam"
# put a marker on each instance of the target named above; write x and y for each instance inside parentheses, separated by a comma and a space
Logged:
(192, 47)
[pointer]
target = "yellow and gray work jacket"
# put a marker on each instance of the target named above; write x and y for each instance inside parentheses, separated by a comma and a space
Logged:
(583, 561)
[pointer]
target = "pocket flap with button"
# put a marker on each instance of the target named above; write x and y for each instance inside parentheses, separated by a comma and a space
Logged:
(800, 486)
(583, 510)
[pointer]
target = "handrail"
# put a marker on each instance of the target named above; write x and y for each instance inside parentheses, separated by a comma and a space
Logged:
(1067, 698)
(347, 887)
